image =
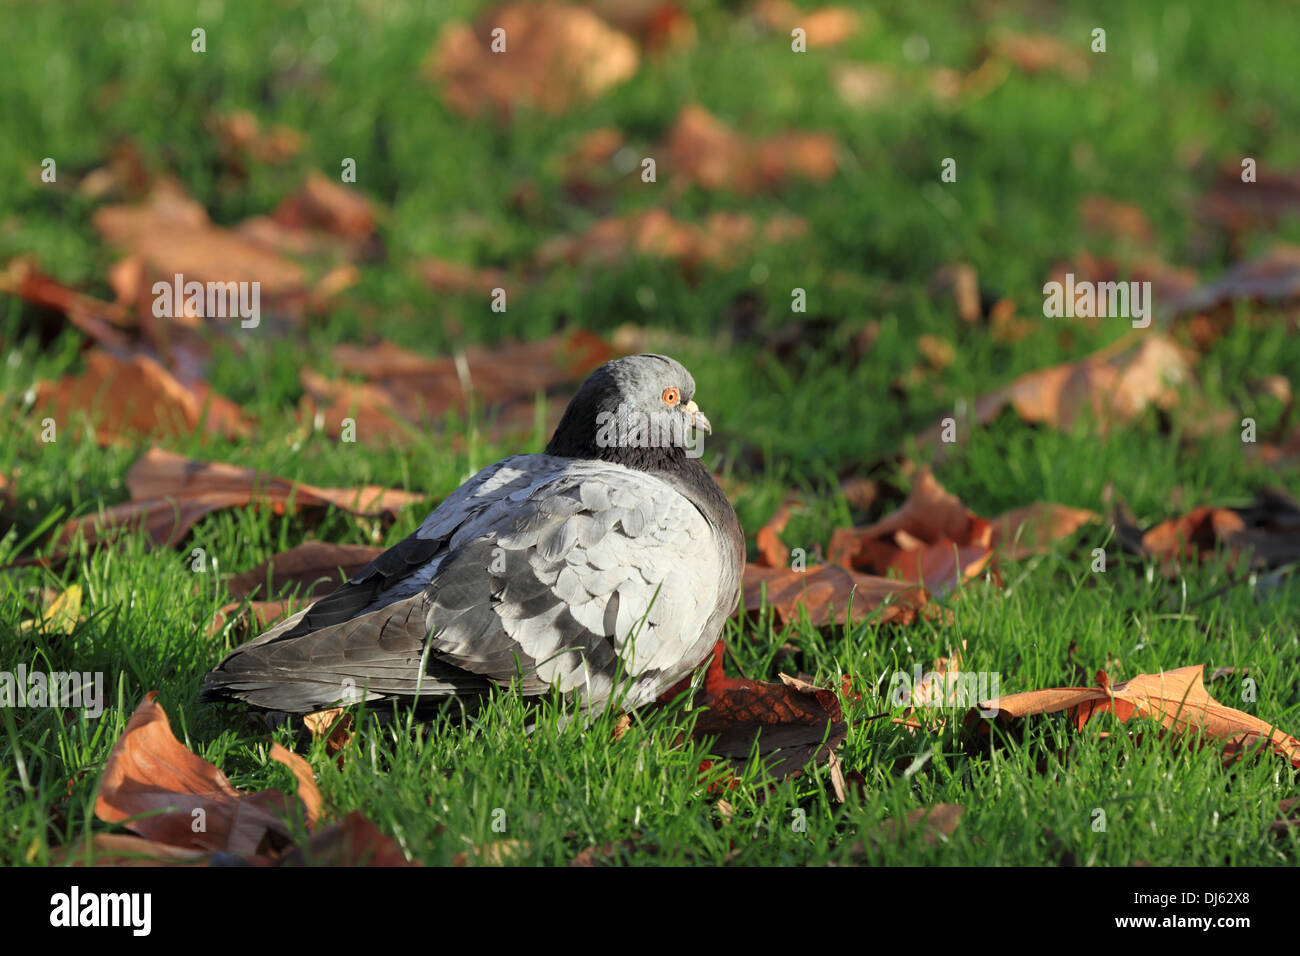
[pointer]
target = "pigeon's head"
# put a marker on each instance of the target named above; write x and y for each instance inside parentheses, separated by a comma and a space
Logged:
(638, 410)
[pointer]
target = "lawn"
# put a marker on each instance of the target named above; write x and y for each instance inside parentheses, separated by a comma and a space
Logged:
(800, 402)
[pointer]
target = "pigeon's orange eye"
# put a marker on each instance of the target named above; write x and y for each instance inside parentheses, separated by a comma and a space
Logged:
(671, 396)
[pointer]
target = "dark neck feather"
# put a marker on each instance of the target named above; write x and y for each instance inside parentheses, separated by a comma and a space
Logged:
(575, 437)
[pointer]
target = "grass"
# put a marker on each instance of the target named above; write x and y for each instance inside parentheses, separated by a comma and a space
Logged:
(348, 77)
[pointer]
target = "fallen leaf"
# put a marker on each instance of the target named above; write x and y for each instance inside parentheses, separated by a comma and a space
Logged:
(826, 592)
(1115, 385)
(715, 157)
(323, 204)
(1112, 218)
(1265, 535)
(162, 791)
(334, 726)
(1177, 699)
(772, 552)
(823, 26)
(137, 396)
(171, 493)
(172, 234)
(60, 615)
(933, 539)
(1033, 529)
(556, 56)
(721, 241)
(354, 841)
(1034, 53)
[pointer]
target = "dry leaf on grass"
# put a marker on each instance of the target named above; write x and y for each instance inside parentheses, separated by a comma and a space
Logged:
(105, 323)
(722, 240)
(135, 396)
(322, 204)
(185, 810)
(822, 26)
(1177, 699)
(1271, 279)
(716, 157)
(172, 234)
(933, 539)
(1033, 529)
(1239, 207)
(1265, 535)
(796, 723)
(170, 493)
(1115, 219)
(354, 841)
(406, 391)
(61, 614)
(241, 137)
(1115, 385)
(252, 617)
(772, 552)
(1033, 53)
(825, 592)
(959, 281)
(165, 793)
(556, 56)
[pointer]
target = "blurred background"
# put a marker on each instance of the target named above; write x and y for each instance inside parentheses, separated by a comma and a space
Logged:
(381, 170)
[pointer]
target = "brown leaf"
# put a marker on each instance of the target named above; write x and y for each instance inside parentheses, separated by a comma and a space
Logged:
(1265, 534)
(252, 616)
(557, 56)
(122, 849)
(826, 591)
(1033, 529)
(171, 493)
(1103, 216)
(960, 281)
(772, 552)
(1273, 278)
(865, 85)
(1115, 384)
(1239, 207)
(137, 396)
(715, 157)
(157, 788)
(103, 322)
(823, 26)
(406, 390)
(791, 720)
(720, 241)
(1177, 699)
(1034, 53)
(313, 567)
(353, 842)
(240, 136)
(172, 234)
(333, 725)
(323, 204)
(933, 539)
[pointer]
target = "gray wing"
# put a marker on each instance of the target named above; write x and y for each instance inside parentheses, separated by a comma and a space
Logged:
(542, 571)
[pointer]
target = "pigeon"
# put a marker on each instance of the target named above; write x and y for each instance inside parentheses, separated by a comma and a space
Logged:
(604, 568)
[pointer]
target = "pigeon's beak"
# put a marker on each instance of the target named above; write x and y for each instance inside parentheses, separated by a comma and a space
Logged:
(697, 418)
